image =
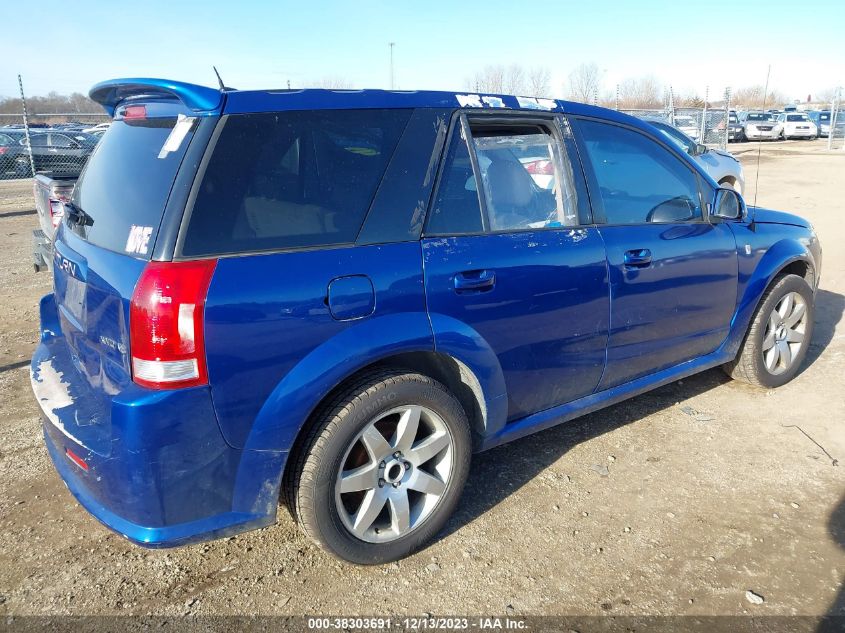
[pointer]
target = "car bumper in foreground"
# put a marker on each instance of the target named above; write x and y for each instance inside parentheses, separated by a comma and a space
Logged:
(152, 466)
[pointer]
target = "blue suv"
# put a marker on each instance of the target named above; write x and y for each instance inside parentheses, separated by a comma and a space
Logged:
(336, 297)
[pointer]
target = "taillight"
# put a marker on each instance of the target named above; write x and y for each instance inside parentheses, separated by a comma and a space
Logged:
(57, 212)
(540, 167)
(3, 150)
(166, 324)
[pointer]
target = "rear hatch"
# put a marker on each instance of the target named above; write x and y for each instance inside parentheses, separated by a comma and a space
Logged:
(101, 249)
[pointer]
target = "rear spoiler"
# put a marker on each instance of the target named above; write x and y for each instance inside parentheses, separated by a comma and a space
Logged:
(198, 98)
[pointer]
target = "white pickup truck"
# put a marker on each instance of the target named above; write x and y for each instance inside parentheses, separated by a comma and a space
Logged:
(50, 196)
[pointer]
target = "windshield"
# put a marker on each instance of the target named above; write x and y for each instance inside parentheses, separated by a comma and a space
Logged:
(127, 181)
(758, 116)
(797, 117)
(824, 116)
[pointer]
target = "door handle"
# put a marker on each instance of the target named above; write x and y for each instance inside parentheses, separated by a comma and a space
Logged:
(638, 258)
(475, 281)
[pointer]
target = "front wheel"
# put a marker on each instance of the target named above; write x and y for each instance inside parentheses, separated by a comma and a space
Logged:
(382, 468)
(779, 335)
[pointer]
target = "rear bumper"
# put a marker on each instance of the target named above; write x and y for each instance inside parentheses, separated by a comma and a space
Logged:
(154, 465)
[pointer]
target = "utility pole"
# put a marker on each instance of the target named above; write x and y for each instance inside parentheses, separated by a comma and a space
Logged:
(26, 128)
(391, 45)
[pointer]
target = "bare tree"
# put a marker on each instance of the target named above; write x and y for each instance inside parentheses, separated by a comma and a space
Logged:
(826, 96)
(499, 79)
(753, 97)
(515, 80)
(642, 92)
(490, 79)
(538, 82)
(584, 83)
(51, 103)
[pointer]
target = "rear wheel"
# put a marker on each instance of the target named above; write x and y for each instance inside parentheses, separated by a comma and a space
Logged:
(382, 469)
(779, 335)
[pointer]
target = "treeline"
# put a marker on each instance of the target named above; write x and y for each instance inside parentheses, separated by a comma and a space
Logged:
(51, 103)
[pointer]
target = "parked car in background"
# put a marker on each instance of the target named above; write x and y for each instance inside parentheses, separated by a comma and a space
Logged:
(821, 120)
(61, 152)
(722, 166)
(688, 126)
(759, 126)
(735, 129)
(50, 195)
(97, 129)
(290, 318)
(790, 125)
(14, 161)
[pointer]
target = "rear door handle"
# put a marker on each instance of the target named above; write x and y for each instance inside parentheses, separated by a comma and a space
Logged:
(638, 258)
(475, 281)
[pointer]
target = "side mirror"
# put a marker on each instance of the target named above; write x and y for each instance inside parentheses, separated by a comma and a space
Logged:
(699, 149)
(728, 205)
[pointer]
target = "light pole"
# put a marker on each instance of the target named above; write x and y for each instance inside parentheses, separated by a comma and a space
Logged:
(391, 45)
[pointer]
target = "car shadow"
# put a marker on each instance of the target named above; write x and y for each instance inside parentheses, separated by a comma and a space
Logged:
(498, 473)
(829, 309)
(835, 618)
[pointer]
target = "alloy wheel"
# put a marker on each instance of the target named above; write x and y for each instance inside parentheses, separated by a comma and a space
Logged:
(394, 474)
(785, 333)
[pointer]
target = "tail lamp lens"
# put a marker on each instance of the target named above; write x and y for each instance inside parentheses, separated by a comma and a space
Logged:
(166, 324)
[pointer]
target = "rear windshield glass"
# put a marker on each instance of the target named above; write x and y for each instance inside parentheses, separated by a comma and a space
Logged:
(127, 181)
(291, 180)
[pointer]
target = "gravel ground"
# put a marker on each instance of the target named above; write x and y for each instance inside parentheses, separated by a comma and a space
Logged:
(677, 502)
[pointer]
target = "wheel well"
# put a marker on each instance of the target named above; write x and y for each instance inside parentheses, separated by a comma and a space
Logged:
(728, 179)
(800, 268)
(452, 373)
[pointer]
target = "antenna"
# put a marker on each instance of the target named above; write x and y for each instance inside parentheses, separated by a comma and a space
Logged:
(219, 80)
(760, 142)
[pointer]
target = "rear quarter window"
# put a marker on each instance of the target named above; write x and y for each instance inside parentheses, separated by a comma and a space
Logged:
(291, 180)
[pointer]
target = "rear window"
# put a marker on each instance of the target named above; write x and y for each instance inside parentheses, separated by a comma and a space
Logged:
(797, 117)
(127, 181)
(291, 180)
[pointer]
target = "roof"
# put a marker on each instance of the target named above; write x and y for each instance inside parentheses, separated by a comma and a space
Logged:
(205, 100)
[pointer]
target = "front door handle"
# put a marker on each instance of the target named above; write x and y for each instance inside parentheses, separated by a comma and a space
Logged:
(638, 258)
(475, 281)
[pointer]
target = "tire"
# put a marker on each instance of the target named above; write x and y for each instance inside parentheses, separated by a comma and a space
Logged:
(343, 440)
(771, 353)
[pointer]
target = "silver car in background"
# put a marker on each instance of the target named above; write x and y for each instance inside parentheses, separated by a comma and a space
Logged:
(720, 165)
(759, 126)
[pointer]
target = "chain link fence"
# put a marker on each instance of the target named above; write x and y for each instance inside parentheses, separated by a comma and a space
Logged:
(54, 144)
(836, 123)
(714, 127)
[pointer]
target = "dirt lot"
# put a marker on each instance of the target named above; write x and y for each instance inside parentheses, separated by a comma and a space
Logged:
(712, 488)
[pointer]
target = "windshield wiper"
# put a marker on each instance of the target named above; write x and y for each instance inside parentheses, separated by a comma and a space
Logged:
(76, 215)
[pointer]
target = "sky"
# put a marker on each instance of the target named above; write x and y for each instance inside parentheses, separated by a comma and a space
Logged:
(438, 44)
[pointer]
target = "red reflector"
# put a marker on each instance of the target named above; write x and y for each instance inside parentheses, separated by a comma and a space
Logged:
(76, 459)
(57, 212)
(540, 167)
(135, 112)
(3, 150)
(166, 329)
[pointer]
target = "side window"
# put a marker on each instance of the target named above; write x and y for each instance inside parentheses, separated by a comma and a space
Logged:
(639, 180)
(36, 140)
(526, 181)
(291, 179)
(456, 209)
(60, 140)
